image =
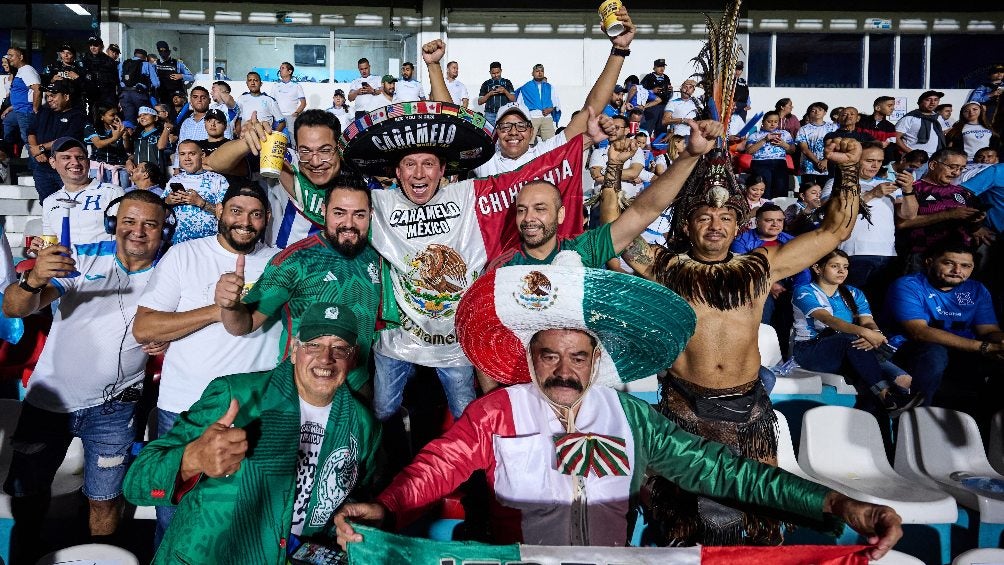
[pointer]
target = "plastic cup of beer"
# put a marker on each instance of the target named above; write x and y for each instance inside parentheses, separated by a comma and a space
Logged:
(48, 240)
(273, 153)
(608, 15)
(633, 127)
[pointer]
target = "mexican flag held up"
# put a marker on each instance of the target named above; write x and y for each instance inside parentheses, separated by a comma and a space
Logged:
(392, 549)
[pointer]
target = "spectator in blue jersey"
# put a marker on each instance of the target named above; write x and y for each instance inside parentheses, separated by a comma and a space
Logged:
(193, 124)
(25, 96)
(835, 331)
(989, 93)
(770, 146)
(542, 100)
(954, 345)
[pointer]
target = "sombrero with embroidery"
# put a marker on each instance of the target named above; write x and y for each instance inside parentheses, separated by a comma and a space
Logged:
(641, 326)
(376, 142)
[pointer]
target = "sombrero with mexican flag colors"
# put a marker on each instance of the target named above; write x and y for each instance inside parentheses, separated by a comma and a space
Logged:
(377, 141)
(641, 326)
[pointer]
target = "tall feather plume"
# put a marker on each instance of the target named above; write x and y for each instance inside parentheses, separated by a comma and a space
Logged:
(716, 64)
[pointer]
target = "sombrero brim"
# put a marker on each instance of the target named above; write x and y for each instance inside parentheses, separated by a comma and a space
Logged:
(376, 142)
(642, 327)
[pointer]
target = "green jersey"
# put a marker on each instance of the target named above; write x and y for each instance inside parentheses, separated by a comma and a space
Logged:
(594, 246)
(312, 270)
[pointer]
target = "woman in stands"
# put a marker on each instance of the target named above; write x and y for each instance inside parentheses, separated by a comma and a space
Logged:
(340, 108)
(972, 132)
(770, 146)
(754, 189)
(802, 215)
(834, 330)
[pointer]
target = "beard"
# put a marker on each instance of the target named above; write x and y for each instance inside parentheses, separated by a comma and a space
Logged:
(227, 232)
(346, 248)
(547, 232)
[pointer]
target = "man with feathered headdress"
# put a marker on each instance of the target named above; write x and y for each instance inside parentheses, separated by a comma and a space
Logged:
(713, 389)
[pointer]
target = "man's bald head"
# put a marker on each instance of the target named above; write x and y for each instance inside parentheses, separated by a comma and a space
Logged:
(537, 188)
(539, 212)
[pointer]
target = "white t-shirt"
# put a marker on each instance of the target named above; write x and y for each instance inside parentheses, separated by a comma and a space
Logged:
(87, 216)
(185, 279)
(599, 159)
(344, 115)
(680, 108)
(878, 237)
(378, 101)
(90, 345)
(909, 126)
(499, 163)
(974, 138)
(363, 101)
(287, 96)
(266, 107)
(458, 91)
(408, 91)
(313, 422)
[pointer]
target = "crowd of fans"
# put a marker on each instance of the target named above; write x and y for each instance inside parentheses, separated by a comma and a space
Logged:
(129, 162)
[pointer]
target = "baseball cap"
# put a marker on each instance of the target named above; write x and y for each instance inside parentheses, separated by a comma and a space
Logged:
(180, 93)
(328, 318)
(162, 45)
(66, 143)
(659, 63)
(247, 188)
(998, 68)
(740, 65)
(146, 110)
(114, 47)
(513, 107)
(95, 40)
(217, 115)
(66, 47)
(619, 89)
(140, 52)
(60, 87)
(930, 93)
(388, 78)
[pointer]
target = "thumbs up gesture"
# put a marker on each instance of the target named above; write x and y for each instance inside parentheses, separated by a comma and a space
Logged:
(230, 287)
(219, 450)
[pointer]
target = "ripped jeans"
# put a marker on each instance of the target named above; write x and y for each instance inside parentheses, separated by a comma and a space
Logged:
(42, 437)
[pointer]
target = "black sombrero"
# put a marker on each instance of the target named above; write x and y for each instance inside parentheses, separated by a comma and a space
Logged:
(376, 142)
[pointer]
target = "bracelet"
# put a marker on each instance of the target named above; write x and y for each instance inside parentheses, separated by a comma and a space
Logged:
(914, 194)
(985, 347)
(620, 52)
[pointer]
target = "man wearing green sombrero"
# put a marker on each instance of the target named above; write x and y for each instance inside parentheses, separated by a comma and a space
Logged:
(564, 454)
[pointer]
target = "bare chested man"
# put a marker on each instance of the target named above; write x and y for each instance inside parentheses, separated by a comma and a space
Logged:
(713, 388)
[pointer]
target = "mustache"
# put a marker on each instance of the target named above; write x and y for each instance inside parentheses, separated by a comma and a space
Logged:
(566, 383)
(340, 231)
(248, 228)
(524, 225)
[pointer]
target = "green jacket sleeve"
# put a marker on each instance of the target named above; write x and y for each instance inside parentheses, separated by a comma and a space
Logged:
(152, 477)
(709, 468)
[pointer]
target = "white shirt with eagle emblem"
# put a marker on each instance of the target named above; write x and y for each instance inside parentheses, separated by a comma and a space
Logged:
(435, 251)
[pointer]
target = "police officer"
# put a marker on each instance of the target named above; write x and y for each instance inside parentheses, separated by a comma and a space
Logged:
(101, 78)
(139, 79)
(173, 74)
(68, 69)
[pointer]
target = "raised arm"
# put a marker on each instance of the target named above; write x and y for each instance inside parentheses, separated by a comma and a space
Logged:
(51, 262)
(841, 213)
(600, 94)
(432, 53)
(664, 189)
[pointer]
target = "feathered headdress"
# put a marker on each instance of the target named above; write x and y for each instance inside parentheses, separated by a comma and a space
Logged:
(713, 182)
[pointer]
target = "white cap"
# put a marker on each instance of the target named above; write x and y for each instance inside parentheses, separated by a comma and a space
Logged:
(513, 107)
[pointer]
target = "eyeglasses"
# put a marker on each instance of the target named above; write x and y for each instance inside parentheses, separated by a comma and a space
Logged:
(325, 153)
(950, 167)
(507, 127)
(315, 349)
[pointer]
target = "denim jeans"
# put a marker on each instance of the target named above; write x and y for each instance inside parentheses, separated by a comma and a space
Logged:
(42, 438)
(47, 180)
(775, 176)
(392, 376)
(165, 421)
(19, 121)
(831, 353)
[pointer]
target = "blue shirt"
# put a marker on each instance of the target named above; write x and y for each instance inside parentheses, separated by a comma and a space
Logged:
(750, 240)
(955, 310)
(808, 298)
(148, 69)
(769, 150)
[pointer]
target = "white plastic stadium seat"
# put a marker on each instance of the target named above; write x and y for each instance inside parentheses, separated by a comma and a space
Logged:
(980, 557)
(842, 448)
(784, 201)
(770, 355)
(786, 449)
(897, 558)
(90, 553)
(936, 444)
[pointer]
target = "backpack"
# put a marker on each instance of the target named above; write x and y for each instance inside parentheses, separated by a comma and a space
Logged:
(132, 74)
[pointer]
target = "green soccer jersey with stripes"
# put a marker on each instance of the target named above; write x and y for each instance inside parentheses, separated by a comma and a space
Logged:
(310, 271)
(595, 247)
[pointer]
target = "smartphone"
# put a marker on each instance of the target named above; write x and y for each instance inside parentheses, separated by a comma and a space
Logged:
(177, 187)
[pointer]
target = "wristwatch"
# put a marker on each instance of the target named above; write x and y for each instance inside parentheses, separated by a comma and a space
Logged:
(25, 285)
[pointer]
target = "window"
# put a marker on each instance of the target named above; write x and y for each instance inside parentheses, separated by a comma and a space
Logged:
(819, 60)
(911, 61)
(758, 67)
(963, 61)
(880, 67)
